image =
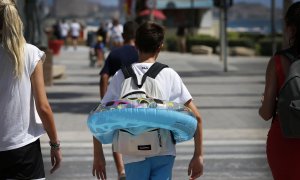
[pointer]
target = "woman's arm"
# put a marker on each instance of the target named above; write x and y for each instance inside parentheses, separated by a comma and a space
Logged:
(45, 113)
(267, 109)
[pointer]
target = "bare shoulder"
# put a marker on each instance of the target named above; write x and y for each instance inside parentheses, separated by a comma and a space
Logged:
(285, 62)
(271, 67)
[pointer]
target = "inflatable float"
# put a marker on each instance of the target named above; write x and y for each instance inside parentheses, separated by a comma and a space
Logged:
(138, 115)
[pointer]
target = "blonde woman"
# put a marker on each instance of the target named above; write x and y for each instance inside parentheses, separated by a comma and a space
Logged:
(24, 109)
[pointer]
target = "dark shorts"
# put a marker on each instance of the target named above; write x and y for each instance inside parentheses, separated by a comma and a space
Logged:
(22, 163)
(74, 37)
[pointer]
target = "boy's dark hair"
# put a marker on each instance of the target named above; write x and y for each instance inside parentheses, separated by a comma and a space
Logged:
(129, 30)
(149, 37)
(292, 17)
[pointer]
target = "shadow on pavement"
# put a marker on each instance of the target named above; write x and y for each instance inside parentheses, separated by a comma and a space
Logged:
(73, 107)
(76, 84)
(65, 95)
(202, 73)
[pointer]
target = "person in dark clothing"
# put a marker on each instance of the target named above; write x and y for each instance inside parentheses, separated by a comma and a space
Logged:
(99, 51)
(56, 30)
(122, 56)
(103, 33)
(181, 34)
(282, 152)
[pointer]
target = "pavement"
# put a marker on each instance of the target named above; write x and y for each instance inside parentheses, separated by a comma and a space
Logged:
(234, 134)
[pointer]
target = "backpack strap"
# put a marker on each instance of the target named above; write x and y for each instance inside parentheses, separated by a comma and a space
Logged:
(152, 72)
(289, 54)
(279, 72)
(127, 71)
(155, 69)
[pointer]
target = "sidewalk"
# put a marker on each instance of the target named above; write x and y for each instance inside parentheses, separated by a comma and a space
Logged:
(228, 101)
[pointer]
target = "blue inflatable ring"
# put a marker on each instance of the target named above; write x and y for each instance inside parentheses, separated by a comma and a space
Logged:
(138, 115)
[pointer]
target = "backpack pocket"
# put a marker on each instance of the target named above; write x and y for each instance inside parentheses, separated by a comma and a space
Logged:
(294, 118)
(145, 144)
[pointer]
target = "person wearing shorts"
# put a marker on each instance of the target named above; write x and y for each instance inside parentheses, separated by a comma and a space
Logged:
(24, 107)
(149, 41)
(75, 33)
(12, 165)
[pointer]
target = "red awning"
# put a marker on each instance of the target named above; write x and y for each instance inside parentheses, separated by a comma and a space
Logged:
(156, 13)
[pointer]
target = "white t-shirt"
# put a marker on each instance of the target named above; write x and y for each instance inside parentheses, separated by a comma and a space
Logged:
(115, 33)
(172, 88)
(20, 122)
(64, 28)
(75, 29)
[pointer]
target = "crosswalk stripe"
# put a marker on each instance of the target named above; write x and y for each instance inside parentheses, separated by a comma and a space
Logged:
(83, 151)
(188, 143)
(178, 157)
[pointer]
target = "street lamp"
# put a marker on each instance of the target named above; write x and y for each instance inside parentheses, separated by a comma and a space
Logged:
(152, 5)
(223, 5)
(273, 28)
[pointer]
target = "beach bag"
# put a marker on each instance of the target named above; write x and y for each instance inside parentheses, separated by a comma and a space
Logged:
(150, 142)
(288, 105)
(145, 144)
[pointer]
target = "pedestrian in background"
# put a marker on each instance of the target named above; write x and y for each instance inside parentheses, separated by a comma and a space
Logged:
(149, 41)
(56, 30)
(64, 31)
(75, 29)
(282, 152)
(25, 113)
(123, 56)
(181, 36)
(115, 34)
(102, 31)
(99, 51)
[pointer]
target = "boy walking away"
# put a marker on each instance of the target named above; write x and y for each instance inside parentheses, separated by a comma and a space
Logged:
(149, 41)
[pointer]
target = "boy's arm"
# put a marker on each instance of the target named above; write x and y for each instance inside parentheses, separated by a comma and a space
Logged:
(195, 169)
(99, 160)
(109, 91)
(119, 164)
(103, 84)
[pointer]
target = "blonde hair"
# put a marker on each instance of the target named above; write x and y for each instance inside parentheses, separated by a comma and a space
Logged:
(11, 34)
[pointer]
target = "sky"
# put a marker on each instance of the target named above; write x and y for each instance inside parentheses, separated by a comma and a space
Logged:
(278, 3)
(265, 2)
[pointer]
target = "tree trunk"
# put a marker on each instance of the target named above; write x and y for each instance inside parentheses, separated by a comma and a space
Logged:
(32, 15)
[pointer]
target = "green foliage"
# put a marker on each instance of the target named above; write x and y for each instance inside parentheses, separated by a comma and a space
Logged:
(253, 36)
(170, 43)
(233, 40)
(244, 42)
(233, 35)
(265, 46)
(262, 44)
(202, 40)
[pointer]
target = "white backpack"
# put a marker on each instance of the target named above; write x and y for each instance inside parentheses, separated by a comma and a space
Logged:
(153, 141)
